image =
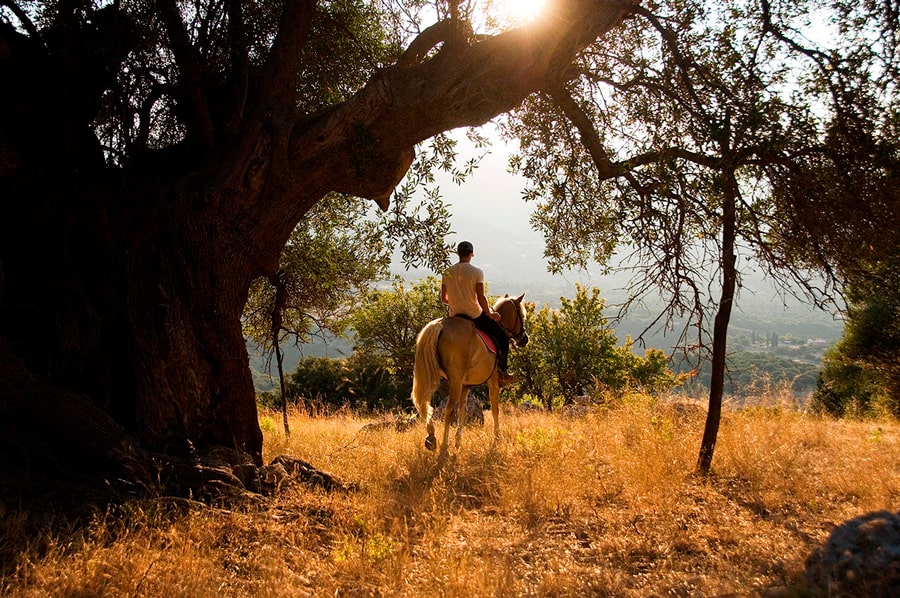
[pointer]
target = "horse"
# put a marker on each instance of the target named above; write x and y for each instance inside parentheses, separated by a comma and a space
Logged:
(451, 348)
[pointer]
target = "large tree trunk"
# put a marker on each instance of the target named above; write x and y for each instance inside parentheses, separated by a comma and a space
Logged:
(125, 288)
(183, 305)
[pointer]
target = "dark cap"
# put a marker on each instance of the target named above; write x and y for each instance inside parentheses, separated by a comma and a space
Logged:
(465, 248)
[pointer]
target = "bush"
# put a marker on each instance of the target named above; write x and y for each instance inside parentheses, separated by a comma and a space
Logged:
(862, 372)
(269, 399)
(572, 351)
(320, 379)
(373, 385)
(846, 388)
(364, 382)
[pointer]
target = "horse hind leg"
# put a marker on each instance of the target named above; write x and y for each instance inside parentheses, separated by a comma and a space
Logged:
(430, 438)
(426, 377)
(422, 400)
(456, 390)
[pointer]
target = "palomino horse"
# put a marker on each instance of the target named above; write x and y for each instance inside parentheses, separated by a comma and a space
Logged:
(451, 348)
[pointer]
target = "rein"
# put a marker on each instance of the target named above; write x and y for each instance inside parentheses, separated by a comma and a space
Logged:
(520, 324)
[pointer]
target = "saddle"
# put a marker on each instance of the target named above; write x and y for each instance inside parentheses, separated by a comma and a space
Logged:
(489, 343)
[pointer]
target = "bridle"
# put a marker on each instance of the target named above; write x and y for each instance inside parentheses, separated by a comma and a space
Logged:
(520, 337)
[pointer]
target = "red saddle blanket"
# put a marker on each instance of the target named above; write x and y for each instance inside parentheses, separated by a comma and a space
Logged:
(488, 341)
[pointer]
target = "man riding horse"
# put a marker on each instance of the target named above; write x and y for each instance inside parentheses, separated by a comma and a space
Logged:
(462, 288)
(453, 348)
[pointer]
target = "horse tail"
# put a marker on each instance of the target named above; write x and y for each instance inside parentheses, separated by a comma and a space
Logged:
(427, 370)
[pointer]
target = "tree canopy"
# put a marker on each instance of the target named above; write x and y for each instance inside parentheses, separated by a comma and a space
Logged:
(156, 158)
(386, 322)
(329, 261)
(712, 137)
(634, 155)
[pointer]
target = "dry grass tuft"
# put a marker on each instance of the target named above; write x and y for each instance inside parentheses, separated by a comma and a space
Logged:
(606, 504)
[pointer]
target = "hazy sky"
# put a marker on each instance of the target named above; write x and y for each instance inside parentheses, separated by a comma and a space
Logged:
(490, 194)
(488, 210)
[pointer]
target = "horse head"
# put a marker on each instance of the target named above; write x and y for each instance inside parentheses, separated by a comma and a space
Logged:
(512, 318)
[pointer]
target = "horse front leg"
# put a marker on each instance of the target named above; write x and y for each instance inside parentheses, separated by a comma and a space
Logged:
(461, 410)
(494, 392)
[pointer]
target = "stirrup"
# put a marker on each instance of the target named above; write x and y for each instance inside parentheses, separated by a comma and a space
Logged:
(504, 378)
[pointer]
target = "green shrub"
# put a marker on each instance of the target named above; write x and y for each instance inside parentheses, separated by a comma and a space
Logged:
(572, 351)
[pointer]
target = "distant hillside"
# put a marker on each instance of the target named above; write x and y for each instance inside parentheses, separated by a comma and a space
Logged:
(786, 342)
(265, 371)
(755, 374)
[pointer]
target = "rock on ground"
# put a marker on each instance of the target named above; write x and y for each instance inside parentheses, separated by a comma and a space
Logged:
(860, 558)
(474, 412)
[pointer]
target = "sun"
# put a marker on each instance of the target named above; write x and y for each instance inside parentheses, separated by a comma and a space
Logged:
(521, 10)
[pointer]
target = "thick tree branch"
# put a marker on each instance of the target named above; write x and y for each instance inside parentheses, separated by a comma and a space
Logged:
(26, 23)
(606, 168)
(200, 125)
(269, 109)
(240, 61)
(278, 76)
(425, 42)
(590, 139)
(467, 87)
(668, 153)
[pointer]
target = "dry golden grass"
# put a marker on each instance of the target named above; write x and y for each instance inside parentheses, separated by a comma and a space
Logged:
(603, 505)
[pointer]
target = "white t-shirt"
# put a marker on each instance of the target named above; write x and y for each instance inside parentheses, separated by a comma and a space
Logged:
(460, 281)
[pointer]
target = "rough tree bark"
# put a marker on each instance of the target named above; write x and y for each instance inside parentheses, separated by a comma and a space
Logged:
(123, 288)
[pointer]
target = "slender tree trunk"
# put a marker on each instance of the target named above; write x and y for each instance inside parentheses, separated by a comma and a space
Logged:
(279, 358)
(720, 327)
(277, 317)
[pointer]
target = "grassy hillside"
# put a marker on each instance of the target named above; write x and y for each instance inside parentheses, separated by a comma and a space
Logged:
(605, 504)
